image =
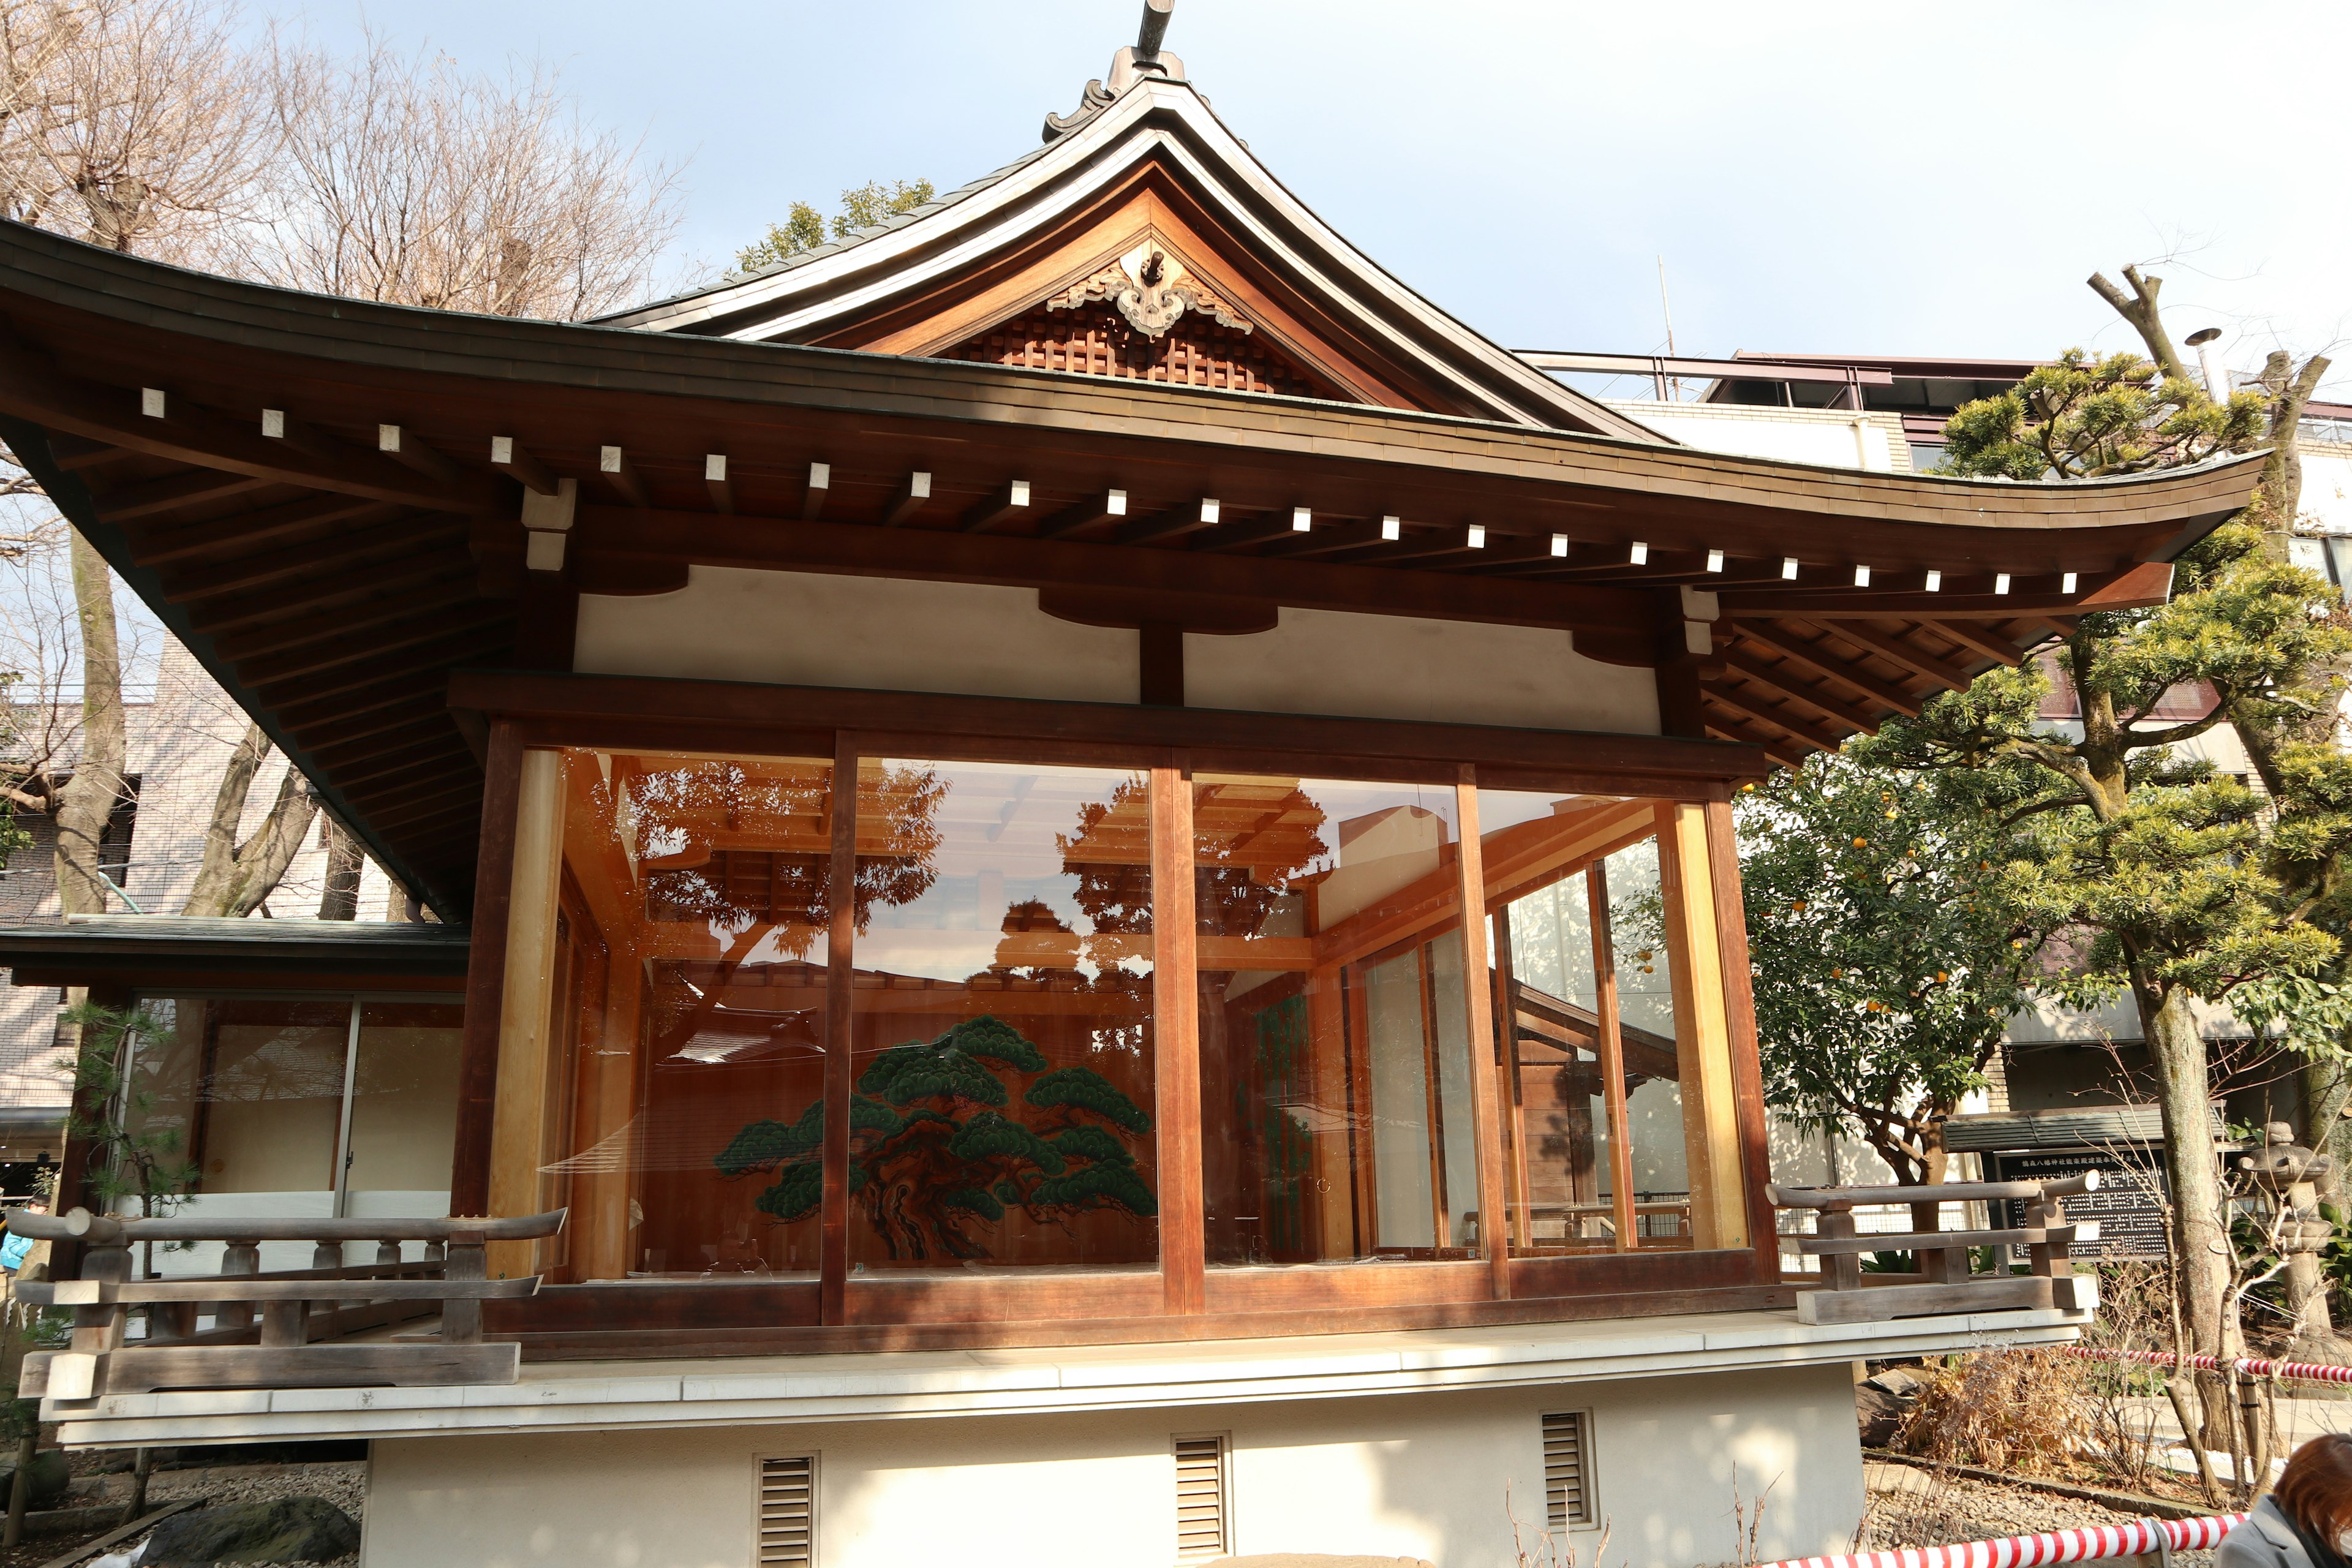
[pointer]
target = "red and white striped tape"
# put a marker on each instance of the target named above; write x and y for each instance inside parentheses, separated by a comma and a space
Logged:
(2088, 1545)
(2253, 1366)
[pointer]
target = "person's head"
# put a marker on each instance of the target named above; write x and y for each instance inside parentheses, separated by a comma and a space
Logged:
(2316, 1488)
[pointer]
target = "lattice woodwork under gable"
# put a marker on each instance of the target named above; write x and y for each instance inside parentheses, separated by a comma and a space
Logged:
(1094, 339)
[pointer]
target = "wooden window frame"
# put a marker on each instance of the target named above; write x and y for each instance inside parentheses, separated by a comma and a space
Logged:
(843, 1311)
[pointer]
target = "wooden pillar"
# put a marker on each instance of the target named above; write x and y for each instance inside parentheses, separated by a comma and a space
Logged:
(1176, 1041)
(1711, 1142)
(1478, 995)
(840, 1020)
(1739, 1020)
(1611, 1033)
(527, 1005)
(1327, 1025)
(477, 1069)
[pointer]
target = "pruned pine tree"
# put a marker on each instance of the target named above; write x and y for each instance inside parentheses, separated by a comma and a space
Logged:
(2166, 869)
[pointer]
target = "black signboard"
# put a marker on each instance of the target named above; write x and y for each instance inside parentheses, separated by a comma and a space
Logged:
(2129, 1205)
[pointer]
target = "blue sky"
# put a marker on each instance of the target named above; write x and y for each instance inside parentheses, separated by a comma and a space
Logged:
(1822, 177)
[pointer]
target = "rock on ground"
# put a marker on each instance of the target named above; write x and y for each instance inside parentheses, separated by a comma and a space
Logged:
(277, 1530)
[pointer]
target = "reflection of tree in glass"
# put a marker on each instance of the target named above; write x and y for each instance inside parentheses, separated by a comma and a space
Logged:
(740, 849)
(1250, 853)
(746, 849)
(1108, 862)
(933, 1151)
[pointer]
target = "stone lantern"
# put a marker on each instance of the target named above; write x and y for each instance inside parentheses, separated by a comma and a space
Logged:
(2287, 1170)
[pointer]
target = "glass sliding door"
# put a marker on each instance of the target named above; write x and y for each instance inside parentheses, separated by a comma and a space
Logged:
(683, 1119)
(1004, 1071)
(1335, 1059)
(1610, 1087)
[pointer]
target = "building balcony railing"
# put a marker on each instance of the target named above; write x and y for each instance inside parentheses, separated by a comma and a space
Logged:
(1944, 1278)
(244, 1328)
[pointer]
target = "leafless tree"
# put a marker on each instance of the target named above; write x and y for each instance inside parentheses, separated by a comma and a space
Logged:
(402, 178)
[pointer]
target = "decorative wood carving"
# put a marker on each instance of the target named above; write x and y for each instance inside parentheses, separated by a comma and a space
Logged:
(1146, 317)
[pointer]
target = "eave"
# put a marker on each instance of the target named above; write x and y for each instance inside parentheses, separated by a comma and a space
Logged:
(332, 588)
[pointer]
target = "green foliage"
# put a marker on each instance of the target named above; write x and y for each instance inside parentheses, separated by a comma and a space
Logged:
(131, 1152)
(1887, 959)
(2085, 418)
(803, 227)
(949, 1155)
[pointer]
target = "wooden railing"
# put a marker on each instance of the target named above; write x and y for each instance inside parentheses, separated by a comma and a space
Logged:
(266, 1328)
(1943, 1280)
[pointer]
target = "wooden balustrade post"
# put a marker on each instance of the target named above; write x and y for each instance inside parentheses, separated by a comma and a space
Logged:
(98, 1330)
(461, 1320)
(239, 1257)
(1844, 1269)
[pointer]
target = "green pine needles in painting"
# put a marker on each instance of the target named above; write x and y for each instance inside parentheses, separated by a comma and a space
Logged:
(934, 1149)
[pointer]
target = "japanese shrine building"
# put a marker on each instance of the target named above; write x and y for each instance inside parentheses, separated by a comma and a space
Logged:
(965, 756)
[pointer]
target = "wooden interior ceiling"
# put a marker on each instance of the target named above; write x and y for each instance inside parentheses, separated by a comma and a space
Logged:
(322, 498)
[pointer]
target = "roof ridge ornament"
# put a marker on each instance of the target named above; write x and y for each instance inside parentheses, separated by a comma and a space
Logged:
(1135, 62)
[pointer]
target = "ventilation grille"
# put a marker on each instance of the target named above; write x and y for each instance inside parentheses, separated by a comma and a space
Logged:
(1568, 1470)
(788, 1512)
(1200, 1518)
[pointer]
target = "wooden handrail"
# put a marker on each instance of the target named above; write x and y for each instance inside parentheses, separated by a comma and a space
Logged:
(81, 1224)
(1949, 1193)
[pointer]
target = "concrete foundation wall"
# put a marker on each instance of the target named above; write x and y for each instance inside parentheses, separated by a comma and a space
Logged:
(1436, 1476)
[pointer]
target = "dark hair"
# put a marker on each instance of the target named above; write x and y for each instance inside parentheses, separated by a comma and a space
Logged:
(2316, 1488)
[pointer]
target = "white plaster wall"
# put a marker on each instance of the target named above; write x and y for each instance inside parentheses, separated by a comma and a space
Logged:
(1400, 666)
(1434, 1475)
(804, 628)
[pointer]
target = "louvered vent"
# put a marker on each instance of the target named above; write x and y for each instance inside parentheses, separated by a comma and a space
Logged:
(1567, 1470)
(1201, 1516)
(788, 1512)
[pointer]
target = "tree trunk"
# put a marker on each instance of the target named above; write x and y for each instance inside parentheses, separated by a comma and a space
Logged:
(2200, 1241)
(339, 900)
(234, 878)
(86, 802)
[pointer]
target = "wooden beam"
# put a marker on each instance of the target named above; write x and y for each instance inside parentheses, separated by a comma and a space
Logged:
(914, 495)
(1711, 1140)
(152, 495)
(633, 539)
(1789, 754)
(1898, 650)
(155, 546)
(457, 647)
(1813, 657)
(1008, 504)
(2139, 587)
(404, 446)
(1782, 679)
(32, 387)
(344, 621)
(1104, 505)
(1183, 518)
(342, 552)
(2001, 651)
(840, 1037)
(1740, 1023)
(715, 479)
(392, 576)
(506, 452)
(1176, 1038)
(1754, 707)
(819, 485)
(612, 466)
(261, 672)
(1478, 1005)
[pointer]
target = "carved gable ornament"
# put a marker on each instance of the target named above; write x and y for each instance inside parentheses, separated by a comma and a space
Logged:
(1150, 290)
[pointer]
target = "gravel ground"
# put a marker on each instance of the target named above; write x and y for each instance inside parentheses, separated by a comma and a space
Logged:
(341, 1484)
(1912, 1507)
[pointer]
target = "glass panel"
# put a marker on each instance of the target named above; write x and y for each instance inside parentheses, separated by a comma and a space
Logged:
(1003, 1044)
(682, 1120)
(1653, 1069)
(404, 1109)
(1587, 993)
(252, 1090)
(1335, 1061)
